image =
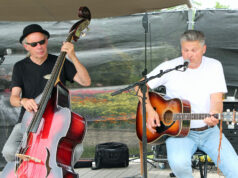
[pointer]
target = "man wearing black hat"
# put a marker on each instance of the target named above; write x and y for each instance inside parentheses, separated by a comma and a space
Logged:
(30, 77)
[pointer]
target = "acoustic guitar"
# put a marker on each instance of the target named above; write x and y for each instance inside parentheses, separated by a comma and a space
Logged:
(174, 117)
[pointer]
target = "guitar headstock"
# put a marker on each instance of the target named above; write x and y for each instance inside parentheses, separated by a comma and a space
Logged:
(78, 27)
(230, 116)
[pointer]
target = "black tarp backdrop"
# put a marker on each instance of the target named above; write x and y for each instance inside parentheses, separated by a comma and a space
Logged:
(115, 46)
(220, 28)
(113, 49)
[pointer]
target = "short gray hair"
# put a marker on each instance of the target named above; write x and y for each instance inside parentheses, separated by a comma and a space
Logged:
(25, 42)
(193, 35)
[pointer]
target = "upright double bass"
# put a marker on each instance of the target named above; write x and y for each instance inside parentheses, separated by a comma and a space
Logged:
(52, 133)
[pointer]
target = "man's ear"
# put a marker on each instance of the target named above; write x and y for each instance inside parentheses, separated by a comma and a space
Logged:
(25, 46)
(204, 49)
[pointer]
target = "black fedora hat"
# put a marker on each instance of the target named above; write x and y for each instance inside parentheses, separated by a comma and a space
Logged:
(31, 29)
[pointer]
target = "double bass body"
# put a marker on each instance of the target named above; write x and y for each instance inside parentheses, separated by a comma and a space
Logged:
(49, 151)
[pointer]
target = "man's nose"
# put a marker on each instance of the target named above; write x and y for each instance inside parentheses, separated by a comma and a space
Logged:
(189, 54)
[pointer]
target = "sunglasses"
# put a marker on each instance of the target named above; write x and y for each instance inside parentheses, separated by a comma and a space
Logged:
(34, 44)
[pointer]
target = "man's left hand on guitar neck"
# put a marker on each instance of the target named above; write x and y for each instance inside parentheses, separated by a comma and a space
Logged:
(211, 121)
(216, 106)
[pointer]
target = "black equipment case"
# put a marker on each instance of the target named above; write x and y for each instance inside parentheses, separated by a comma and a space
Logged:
(111, 154)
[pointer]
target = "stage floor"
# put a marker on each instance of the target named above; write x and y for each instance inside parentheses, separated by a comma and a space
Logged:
(134, 171)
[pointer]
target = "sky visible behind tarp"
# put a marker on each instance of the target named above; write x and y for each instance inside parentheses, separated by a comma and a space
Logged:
(212, 3)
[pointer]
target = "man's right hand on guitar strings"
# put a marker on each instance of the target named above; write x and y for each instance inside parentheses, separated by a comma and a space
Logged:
(152, 118)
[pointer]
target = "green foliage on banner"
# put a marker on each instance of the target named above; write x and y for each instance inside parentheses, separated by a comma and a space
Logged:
(103, 106)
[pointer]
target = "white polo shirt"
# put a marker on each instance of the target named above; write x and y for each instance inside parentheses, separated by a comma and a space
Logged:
(194, 85)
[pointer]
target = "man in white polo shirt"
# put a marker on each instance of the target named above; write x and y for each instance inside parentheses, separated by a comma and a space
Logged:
(203, 85)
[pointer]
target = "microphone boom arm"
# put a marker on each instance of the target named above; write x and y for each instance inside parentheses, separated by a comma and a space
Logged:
(144, 81)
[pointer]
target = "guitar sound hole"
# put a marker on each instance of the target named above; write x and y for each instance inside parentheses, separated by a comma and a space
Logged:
(168, 117)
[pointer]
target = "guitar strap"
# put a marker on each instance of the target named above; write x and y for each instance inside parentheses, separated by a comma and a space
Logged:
(219, 148)
(234, 116)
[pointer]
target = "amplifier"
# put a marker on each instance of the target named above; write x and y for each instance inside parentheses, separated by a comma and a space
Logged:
(230, 129)
(230, 105)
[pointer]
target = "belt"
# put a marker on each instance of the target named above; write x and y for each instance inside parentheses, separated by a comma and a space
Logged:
(201, 128)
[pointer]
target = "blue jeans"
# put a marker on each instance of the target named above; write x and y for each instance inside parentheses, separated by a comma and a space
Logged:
(180, 151)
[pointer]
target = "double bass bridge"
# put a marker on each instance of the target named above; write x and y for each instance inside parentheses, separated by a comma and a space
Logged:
(28, 158)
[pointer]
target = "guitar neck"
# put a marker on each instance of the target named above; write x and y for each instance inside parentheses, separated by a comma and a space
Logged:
(225, 116)
(193, 116)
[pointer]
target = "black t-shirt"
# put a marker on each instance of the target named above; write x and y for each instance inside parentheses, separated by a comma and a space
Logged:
(31, 77)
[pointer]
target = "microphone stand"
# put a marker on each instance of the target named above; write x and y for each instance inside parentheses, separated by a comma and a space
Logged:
(145, 25)
(142, 86)
(144, 90)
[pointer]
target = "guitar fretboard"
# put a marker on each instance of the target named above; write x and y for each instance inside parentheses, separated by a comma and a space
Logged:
(193, 116)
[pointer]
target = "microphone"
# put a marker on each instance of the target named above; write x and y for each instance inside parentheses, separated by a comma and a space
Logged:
(185, 64)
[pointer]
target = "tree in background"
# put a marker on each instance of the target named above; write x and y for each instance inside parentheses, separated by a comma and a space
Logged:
(220, 6)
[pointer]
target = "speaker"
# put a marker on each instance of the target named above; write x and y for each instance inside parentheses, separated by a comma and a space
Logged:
(230, 129)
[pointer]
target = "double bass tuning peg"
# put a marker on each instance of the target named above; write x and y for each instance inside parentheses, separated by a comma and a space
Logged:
(83, 33)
